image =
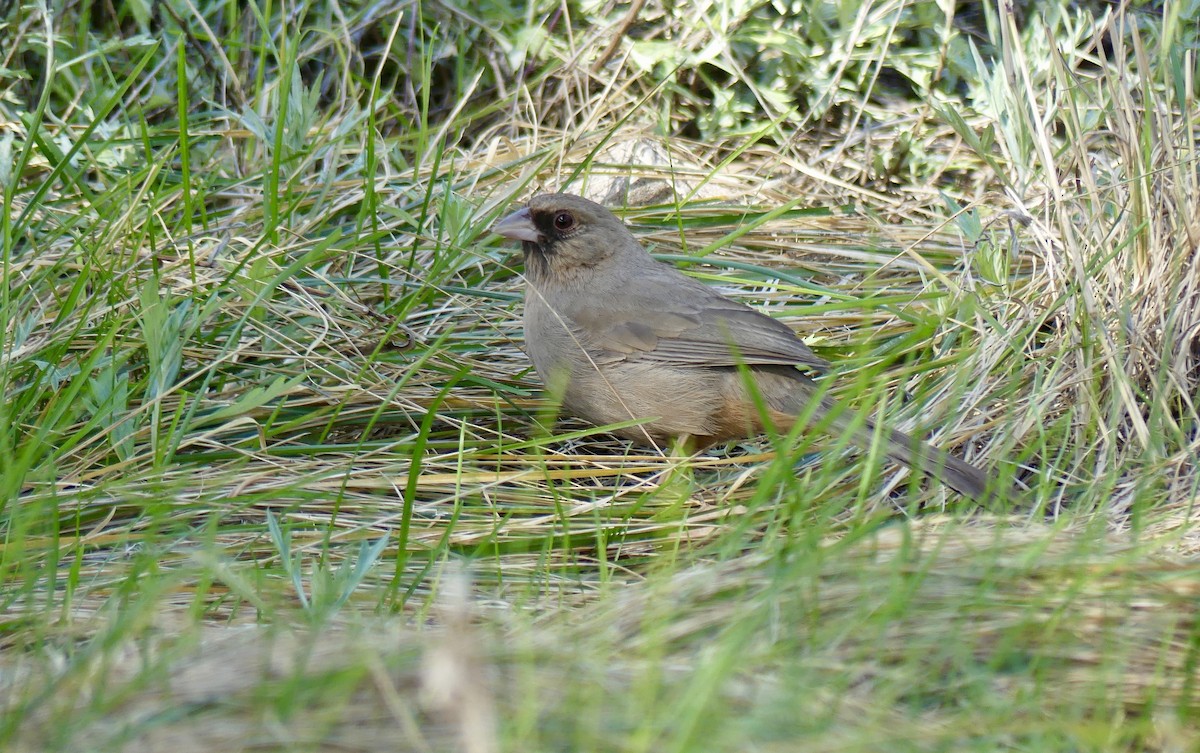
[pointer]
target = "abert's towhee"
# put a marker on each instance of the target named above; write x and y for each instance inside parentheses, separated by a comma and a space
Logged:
(634, 338)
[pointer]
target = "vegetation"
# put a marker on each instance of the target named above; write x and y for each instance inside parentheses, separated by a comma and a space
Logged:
(276, 475)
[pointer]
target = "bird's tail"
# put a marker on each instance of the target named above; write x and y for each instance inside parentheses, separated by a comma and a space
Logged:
(922, 457)
(789, 395)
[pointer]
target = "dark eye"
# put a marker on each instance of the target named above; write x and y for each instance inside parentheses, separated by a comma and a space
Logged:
(564, 221)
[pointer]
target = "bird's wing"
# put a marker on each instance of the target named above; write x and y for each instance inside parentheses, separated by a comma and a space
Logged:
(706, 330)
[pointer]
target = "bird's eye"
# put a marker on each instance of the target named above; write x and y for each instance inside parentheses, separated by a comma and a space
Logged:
(564, 221)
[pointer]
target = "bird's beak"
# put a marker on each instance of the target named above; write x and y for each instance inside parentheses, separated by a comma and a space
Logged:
(518, 226)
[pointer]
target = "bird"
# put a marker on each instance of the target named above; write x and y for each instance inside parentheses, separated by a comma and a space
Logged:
(623, 337)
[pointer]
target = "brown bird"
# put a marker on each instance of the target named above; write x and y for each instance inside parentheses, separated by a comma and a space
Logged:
(626, 337)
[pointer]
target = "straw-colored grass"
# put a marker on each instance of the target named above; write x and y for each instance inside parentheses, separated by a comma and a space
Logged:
(275, 473)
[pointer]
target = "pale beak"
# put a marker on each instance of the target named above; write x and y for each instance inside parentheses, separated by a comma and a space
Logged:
(518, 226)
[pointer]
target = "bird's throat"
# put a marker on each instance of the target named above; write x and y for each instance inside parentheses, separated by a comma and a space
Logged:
(537, 259)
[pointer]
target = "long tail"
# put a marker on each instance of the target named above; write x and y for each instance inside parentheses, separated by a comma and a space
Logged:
(789, 393)
(919, 455)
(923, 457)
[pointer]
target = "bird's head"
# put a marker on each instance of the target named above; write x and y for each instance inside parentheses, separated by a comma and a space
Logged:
(562, 233)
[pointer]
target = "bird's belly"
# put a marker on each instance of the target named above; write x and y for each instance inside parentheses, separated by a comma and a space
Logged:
(603, 388)
(670, 401)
